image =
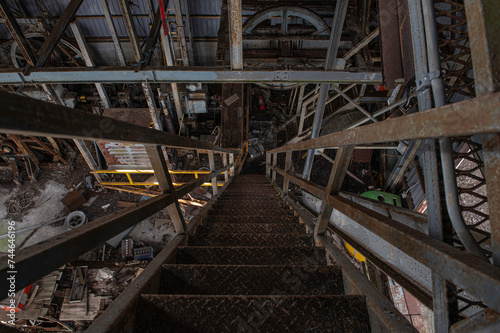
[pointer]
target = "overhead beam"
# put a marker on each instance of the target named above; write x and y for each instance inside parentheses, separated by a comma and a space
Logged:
(47, 119)
(112, 31)
(17, 33)
(56, 34)
(74, 75)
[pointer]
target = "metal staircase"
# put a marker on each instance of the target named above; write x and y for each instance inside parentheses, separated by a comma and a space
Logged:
(251, 267)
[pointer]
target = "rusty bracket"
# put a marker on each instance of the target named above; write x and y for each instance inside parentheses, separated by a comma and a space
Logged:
(425, 80)
(281, 75)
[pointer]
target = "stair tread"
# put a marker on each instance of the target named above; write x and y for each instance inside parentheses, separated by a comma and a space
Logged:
(251, 279)
(246, 255)
(251, 239)
(283, 313)
(278, 228)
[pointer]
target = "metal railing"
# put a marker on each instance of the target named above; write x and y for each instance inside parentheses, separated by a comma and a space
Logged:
(398, 227)
(52, 120)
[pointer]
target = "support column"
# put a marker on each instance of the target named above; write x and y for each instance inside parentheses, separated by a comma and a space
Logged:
(235, 34)
(333, 47)
(275, 157)
(162, 174)
(483, 22)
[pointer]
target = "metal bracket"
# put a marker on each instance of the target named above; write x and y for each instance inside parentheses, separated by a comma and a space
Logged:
(425, 80)
(281, 76)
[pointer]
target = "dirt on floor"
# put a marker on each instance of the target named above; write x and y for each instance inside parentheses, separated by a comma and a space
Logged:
(43, 203)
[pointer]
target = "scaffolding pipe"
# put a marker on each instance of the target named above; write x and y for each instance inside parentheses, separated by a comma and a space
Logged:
(447, 161)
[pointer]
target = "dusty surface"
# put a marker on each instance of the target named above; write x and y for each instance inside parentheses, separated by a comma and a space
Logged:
(45, 196)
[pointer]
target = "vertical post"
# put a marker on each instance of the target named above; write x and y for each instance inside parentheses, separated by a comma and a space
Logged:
(180, 32)
(268, 164)
(235, 34)
(301, 98)
(132, 32)
(112, 31)
(231, 162)
(483, 25)
(162, 174)
(82, 44)
(153, 110)
(275, 158)
(224, 162)
(331, 56)
(170, 62)
(211, 162)
(339, 169)
(190, 33)
(288, 166)
(431, 174)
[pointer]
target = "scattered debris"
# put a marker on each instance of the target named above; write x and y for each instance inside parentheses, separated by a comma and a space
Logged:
(73, 200)
(19, 203)
(105, 207)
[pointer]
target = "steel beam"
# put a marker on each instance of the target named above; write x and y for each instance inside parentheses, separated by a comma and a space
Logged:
(164, 179)
(153, 110)
(483, 19)
(471, 117)
(59, 121)
(74, 75)
(56, 34)
(331, 57)
(337, 175)
(112, 31)
(132, 32)
(235, 34)
(17, 33)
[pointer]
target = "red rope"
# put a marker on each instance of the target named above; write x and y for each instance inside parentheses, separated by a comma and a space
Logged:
(163, 17)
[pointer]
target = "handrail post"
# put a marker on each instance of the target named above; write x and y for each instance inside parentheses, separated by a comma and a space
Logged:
(231, 162)
(160, 168)
(224, 163)
(339, 168)
(211, 162)
(268, 164)
(275, 157)
(288, 165)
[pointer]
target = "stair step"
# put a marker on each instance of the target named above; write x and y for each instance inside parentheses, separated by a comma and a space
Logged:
(246, 204)
(251, 211)
(190, 313)
(258, 228)
(250, 219)
(244, 255)
(251, 240)
(250, 280)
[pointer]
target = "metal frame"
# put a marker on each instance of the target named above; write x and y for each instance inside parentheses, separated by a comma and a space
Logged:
(477, 277)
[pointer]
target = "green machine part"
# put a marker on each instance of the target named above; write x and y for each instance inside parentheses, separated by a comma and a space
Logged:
(388, 198)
